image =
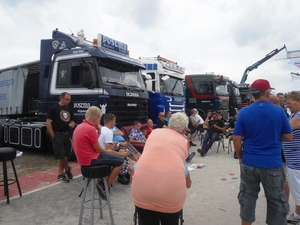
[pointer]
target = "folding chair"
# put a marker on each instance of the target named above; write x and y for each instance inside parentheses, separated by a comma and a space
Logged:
(221, 141)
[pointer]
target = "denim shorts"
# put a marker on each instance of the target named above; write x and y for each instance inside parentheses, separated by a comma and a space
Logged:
(272, 181)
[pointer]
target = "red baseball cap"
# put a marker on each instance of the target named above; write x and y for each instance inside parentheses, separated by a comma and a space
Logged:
(260, 85)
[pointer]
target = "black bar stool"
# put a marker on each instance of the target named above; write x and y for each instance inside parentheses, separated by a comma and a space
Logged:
(92, 174)
(6, 154)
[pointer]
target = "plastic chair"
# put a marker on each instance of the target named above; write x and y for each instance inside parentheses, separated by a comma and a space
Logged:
(8, 154)
(94, 173)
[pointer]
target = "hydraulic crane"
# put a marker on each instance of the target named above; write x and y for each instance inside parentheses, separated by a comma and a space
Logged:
(258, 63)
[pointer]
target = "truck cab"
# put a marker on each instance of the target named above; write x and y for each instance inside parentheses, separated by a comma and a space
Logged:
(164, 82)
(98, 73)
(207, 92)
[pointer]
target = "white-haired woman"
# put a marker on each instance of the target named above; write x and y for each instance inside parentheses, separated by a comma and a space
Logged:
(160, 177)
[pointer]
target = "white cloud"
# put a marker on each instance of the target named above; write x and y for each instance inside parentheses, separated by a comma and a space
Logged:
(201, 35)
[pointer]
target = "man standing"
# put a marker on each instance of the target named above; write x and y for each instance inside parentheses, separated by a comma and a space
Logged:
(261, 126)
(59, 122)
(280, 96)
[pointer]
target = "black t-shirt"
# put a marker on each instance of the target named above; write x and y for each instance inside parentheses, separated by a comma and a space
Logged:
(61, 116)
(161, 124)
(218, 122)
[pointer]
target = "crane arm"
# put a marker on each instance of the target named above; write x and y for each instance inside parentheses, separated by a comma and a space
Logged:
(258, 63)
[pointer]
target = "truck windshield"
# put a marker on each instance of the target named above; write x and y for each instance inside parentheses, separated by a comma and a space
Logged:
(205, 87)
(221, 89)
(172, 86)
(113, 77)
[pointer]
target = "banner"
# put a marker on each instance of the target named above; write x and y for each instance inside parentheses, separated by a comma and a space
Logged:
(12, 84)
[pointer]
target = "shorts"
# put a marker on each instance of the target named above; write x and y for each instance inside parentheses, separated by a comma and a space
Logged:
(125, 167)
(61, 144)
(131, 148)
(108, 159)
(294, 184)
(272, 181)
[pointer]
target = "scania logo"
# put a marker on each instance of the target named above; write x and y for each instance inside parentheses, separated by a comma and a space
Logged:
(132, 94)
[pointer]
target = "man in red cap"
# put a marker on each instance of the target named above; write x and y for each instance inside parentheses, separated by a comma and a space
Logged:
(258, 132)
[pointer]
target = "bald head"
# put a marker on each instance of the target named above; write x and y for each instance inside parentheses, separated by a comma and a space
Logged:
(274, 100)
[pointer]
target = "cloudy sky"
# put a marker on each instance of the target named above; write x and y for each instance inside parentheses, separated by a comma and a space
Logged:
(220, 36)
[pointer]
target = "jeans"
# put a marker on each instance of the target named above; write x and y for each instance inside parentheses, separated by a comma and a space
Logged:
(209, 138)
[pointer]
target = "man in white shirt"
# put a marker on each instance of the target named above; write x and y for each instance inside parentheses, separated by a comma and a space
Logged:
(106, 142)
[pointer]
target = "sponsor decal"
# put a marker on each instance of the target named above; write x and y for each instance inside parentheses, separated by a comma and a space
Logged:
(132, 104)
(83, 105)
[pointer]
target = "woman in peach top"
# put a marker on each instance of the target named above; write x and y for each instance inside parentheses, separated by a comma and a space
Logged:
(160, 177)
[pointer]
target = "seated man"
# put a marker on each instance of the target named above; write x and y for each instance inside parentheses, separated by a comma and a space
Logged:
(161, 122)
(215, 128)
(196, 123)
(106, 141)
(136, 134)
(123, 144)
(90, 153)
(167, 117)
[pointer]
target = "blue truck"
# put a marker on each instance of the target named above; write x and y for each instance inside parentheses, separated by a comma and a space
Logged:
(98, 72)
(164, 81)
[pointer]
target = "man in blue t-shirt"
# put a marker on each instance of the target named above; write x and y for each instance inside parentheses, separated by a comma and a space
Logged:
(262, 126)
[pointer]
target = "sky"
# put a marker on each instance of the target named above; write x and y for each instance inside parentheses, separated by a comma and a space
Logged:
(224, 37)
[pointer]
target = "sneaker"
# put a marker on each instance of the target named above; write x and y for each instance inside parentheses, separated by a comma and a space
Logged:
(127, 176)
(292, 219)
(192, 144)
(63, 178)
(201, 151)
(123, 180)
(190, 157)
(69, 174)
(101, 190)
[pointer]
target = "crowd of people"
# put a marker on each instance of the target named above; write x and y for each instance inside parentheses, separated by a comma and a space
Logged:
(266, 139)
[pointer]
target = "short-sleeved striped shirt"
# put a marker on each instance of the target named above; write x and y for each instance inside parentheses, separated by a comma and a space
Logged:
(291, 149)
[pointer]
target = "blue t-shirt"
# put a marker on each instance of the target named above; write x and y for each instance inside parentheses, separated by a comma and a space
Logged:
(117, 138)
(262, 124)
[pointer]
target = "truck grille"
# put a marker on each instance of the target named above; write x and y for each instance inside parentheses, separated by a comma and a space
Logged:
(128, 109)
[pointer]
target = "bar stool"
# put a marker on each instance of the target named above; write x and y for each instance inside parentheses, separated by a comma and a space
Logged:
(92, 174)
(6, 154)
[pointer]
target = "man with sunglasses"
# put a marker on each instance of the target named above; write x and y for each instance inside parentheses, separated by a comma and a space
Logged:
(59, 123)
